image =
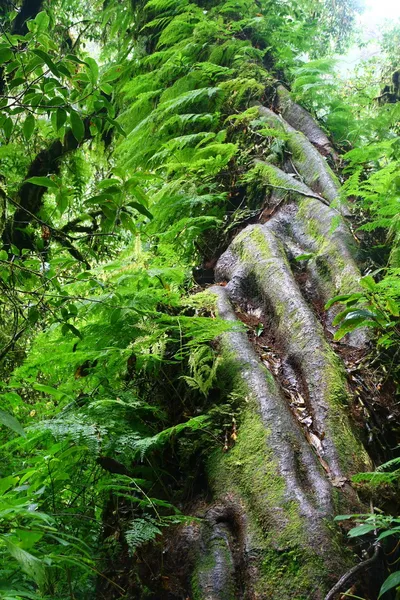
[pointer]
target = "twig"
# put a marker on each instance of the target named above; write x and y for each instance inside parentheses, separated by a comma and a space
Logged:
(351, 572)
(296, 191)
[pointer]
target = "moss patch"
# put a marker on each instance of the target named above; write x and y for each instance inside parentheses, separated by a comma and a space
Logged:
(287, 567)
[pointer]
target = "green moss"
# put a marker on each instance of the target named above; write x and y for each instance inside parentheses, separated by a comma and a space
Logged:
(288, 568)
(291, 575)
(251, 468)
(351, 453)
(206, 565)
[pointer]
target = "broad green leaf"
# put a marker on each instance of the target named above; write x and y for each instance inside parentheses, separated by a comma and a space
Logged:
(8, 127)
(42, 21)
(142, 209)
(361, 530)
(106, 183)
(61, 117)
(127, 222)
(33, 315)
(393, 307)
(350, 325)
(5, 54)
(75, 59)
(343, 298)
(99, 199)
(28, 538)
(47, 389)
(393, 581)
(111, 74)
(31, 565)
(43, 181)
(11, 422)
(48, 61)
(368, 283)
(93, 70)
(68, 327)
(7, 483)
(28, 126)
(77, 126)
(351, 313)
(389, 532)
(106, 88)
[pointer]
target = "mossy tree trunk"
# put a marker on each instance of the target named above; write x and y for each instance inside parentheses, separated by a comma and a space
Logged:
(288, 472)
(267, 528)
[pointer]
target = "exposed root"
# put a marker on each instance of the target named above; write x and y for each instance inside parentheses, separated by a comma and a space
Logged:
(310, 164)
(300, 119)
(214, 578)
(352, 573)
(308, 227)
(288, 448)
(257, 258)
(297, 446)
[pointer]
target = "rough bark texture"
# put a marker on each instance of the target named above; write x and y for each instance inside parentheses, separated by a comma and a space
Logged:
(288, 472)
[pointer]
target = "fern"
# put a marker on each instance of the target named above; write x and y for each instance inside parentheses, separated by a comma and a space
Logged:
(203, 366)
(140, 532)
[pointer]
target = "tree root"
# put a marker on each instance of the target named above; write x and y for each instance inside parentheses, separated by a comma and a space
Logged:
(288, 474)
(300, 119)
(311, 165)
(351, 573)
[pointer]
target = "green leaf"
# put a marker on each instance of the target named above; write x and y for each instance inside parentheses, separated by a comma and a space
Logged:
(8, 127)
(31, 565)
(28, 127)
(140, 208)
(77, 126)
(389, 532)
(106, 88)
(75, 59)
(368, 283)
(304, 257)
(117, 126)
(343, 298)
(393, 307)
(11, 422)
(3, 255)
(68, 327)
(43, 181)
(98, 199)
(106, 183)
(48, 61)
(5, 54)
(33, 315)
(128, 223)
(47, 389)
(115, 315)
(361, 530)
(92, 69)
(42, 21)
(61, 117)
(392, 581)
(111, 74)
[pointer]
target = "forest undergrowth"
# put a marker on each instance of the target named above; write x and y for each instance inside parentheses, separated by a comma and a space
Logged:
(149, 150)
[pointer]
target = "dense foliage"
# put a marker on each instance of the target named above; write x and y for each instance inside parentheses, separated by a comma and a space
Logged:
(121, 173)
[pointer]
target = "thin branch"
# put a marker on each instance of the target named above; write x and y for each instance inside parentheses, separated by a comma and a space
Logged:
(352, 572)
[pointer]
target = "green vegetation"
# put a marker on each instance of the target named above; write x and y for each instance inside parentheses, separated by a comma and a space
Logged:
(128, 135)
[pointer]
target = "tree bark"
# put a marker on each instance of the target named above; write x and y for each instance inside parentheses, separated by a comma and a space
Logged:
(288, 472)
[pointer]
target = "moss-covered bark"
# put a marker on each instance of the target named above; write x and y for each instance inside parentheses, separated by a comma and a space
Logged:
(286, 479)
